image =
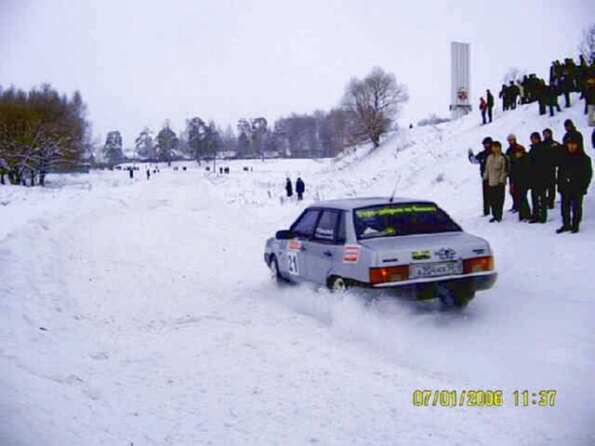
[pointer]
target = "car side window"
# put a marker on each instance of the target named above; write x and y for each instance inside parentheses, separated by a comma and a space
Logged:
(329, 227)
(304, 226)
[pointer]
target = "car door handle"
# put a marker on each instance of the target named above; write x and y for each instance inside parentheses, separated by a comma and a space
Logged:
(328, 253)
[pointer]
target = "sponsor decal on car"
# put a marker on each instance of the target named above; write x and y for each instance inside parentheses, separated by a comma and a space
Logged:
(351, 254)
(294, 245)
(421, 255)
(445, 254)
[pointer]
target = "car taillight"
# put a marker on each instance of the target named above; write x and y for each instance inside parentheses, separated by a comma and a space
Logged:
(478, 264)
(389, 274)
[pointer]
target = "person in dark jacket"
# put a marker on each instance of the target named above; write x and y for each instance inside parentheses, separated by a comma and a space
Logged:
(520, 176)
(541, 172)
(300, 187)
(288, 188)
(504, 96)
(554, 148)
(490, 102)
(551, 98)
(481, 159)
(574, 178)
(514, 93)
(572, 133)
(513, 146)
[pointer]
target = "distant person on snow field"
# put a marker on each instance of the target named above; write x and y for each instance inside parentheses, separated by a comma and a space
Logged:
(490, 102)
(130, 172)
(574, 178)
(300, 187)
(148, 173)
(483, 108)
(288, 188)
(481, 159)
(495, 174)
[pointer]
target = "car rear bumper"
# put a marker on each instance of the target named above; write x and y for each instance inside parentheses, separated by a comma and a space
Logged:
(475, 281)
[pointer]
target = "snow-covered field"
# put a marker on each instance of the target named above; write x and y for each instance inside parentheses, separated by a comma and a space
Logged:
(141, 312)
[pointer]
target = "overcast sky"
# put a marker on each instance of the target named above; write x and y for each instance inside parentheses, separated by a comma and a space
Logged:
(138, 63)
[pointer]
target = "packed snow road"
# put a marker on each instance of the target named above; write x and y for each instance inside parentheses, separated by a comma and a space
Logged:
(142, 314)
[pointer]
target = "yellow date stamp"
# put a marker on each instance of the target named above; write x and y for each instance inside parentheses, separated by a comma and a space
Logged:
(482, 398)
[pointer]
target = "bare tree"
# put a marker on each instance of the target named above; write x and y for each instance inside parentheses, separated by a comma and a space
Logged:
(374, 102)
(587, 44)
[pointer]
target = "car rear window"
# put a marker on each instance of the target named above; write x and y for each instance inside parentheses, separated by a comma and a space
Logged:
(392, 220)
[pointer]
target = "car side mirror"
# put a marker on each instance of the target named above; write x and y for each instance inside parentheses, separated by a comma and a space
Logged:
(284, 235)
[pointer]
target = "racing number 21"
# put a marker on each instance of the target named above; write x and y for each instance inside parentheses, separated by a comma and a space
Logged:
(292, 259)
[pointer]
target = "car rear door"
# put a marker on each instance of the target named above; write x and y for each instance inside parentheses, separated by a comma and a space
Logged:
(325, 246)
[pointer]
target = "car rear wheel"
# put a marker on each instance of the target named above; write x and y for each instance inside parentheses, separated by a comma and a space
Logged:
(457, 297)
(337, 285)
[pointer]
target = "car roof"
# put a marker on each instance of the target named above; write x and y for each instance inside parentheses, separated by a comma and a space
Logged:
(355, 203)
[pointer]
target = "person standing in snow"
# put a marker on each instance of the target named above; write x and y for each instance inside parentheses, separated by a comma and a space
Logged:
(514, 94)
(481, 159)
(520, 176)
(495, 174)
(513, 147)
(504, 96)
(542, 167)
(300, 187)
(490, 102)
(574, 178)
(572, 133)
(130, 172)
(483, 108)
(288, 188)
(148, 174)
(554, 148)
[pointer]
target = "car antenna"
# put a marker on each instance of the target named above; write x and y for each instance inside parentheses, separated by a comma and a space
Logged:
(392, 197)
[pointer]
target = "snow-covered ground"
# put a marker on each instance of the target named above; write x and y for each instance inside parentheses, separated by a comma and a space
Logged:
(141, 313)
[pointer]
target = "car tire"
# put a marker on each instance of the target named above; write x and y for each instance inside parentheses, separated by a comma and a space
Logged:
(338, 284)
(457, 297)
(274, 270)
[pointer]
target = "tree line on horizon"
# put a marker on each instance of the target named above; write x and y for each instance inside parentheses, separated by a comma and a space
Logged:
(43, 131)
(367, 111)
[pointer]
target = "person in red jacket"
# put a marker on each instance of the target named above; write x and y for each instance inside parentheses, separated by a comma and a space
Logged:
(483, 108)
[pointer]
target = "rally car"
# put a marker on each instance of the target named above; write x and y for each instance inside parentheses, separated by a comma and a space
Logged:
(382, 243)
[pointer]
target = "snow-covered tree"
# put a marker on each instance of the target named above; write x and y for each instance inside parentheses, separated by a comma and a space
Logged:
(144, 144)
(514, 74)
(112, 149)
(167, 143)
(587, 44)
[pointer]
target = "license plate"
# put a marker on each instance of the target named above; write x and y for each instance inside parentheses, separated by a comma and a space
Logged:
(419, 270)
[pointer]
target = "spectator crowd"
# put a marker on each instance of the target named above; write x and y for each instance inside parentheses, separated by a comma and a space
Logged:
(564, 78)
(546, 168)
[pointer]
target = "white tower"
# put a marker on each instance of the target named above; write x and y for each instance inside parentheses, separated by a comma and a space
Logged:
(459, 80)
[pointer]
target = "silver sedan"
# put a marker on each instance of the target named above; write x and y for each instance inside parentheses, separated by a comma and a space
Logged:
(383, 243)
